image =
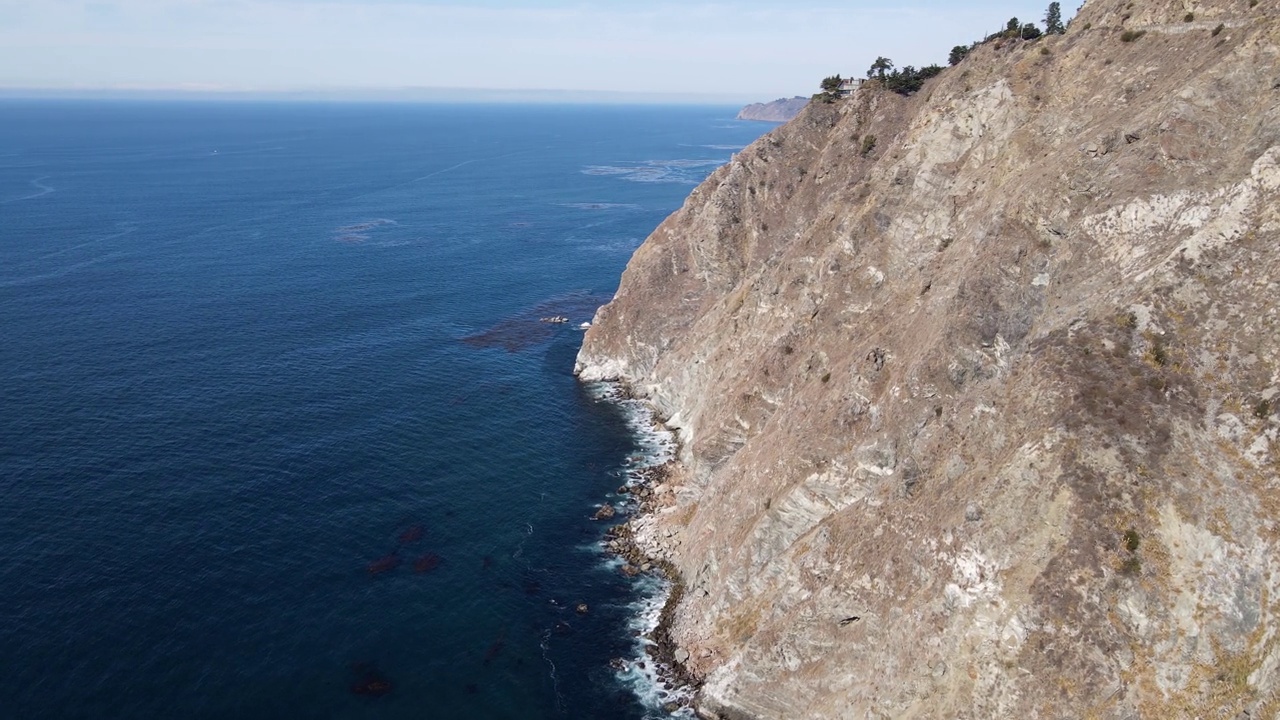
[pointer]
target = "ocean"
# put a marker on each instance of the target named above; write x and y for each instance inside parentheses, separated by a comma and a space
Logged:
(282, 433)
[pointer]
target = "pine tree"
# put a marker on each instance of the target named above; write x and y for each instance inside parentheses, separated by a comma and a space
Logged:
(1053, 20)
(879, 67)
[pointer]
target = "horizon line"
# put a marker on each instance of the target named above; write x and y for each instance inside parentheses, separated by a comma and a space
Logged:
(382, 94)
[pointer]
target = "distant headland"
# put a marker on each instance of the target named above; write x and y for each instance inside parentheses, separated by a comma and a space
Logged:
(780, 110)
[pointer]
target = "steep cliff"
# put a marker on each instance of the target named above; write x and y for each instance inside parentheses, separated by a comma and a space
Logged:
(994, 369)
(780, 110)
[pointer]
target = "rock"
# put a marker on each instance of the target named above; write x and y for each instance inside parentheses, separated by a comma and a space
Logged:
(630, 570)
(682, 656)
(1072, 424)
(646, 567)
(605, 512)
(582, 609)
(671, 708)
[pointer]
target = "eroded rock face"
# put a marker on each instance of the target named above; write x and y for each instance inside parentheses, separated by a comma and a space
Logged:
(1003, 382)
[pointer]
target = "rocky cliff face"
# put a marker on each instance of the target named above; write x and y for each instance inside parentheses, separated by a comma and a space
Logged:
(979, 390)
(780, 110)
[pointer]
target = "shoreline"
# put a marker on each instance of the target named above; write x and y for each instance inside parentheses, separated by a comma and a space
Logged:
(642, 491)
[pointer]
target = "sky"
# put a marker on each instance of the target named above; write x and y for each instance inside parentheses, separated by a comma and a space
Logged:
(739, 49)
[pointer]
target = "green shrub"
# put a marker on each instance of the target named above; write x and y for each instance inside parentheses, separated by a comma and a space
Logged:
(1159, 355)
(1131, 540)
(1131, 35)
(1188, 17)
(1262, 409)
(1044, 51)
(868, 145)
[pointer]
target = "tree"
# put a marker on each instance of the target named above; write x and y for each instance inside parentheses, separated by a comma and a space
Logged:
(958, 53)
(1030, 31)
(908, 79)
(1053, 20)
(880, 67)
(1012, 27)
(830, 89)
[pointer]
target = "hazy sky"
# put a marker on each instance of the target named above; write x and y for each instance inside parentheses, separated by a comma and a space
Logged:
(748, 48)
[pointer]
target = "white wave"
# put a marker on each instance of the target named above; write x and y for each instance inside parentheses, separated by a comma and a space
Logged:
(38, 184)
(63, 271)
(733, 148)
(127, 228)
(601, 206)
(655, 444)
(643, 675)
(646, 678)
(688, 171)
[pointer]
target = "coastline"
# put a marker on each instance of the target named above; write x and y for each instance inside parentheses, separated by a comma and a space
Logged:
(643, 553)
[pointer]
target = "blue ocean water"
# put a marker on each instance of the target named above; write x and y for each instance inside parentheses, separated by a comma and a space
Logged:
(281, 434)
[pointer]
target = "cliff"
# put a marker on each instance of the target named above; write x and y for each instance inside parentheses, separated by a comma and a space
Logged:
(978, 390)
(780, 110)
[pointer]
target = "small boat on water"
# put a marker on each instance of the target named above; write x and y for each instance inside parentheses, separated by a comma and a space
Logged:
(555, 319)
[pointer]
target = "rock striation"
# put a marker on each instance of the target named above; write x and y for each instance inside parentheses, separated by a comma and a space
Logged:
(978, 390)
(780, 110)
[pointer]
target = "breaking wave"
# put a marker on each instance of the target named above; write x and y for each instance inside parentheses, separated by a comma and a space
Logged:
(647, 678)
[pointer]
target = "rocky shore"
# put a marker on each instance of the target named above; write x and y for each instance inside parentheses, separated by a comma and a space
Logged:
(647, 548)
